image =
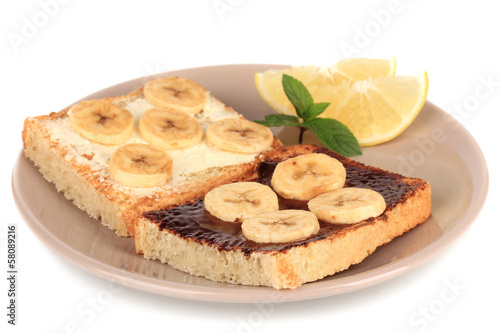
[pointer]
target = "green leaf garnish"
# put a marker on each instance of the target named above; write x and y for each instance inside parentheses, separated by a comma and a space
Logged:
(315, 110)
(297, 94)
(279, 120)
(332, 133)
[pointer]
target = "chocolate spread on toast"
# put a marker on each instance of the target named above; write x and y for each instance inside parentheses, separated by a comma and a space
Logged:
(192, 221)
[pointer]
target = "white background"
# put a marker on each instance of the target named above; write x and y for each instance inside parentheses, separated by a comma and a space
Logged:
(79, 47)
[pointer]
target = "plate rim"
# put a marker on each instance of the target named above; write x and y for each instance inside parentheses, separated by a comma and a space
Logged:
(480, 184)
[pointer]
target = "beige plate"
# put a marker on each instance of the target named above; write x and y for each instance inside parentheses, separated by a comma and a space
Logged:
(435, 148)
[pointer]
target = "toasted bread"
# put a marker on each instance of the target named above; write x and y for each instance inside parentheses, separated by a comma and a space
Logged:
(183, 236)
(79, 167)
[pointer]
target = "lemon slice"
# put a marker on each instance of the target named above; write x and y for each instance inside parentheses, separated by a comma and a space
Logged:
(316, 77)
(376, 110)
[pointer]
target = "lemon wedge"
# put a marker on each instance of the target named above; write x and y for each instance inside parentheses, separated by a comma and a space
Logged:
(363, 94)
(377, 110)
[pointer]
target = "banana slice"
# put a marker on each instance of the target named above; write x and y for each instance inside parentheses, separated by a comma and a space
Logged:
(102, 121)
(233, 202)
(141, 165)
(280, 227)
(347, 205)
(306, 176)
(177, 93)
(239, 136)
(170, 129)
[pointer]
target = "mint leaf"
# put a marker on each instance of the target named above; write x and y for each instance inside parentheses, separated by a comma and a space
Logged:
(279, 120)
(298, 95)
(315, 110)
(334, 135)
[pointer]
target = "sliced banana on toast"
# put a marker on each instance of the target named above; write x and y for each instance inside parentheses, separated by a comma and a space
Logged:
(306, 176)
(170, 129)
(236, 201)
(347, 205)
(141, 165)
(281, 226)
(177, 93)
(102, 121)
(239, 136)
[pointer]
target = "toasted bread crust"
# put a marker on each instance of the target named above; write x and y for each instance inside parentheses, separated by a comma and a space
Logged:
(77, 182)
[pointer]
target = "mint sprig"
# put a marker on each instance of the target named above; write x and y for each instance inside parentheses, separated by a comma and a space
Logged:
(332, 133)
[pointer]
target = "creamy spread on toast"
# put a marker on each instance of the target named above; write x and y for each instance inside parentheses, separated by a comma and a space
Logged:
(191, 220)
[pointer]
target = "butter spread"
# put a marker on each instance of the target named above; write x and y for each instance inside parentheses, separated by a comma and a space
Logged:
(186, 161)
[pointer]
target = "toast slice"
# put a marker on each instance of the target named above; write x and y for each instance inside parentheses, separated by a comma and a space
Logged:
(79, 167)
(188, 238)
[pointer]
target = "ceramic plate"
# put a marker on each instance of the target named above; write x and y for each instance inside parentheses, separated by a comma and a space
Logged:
(435, 148)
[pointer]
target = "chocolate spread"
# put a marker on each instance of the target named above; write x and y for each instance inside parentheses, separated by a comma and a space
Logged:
(193, 221)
